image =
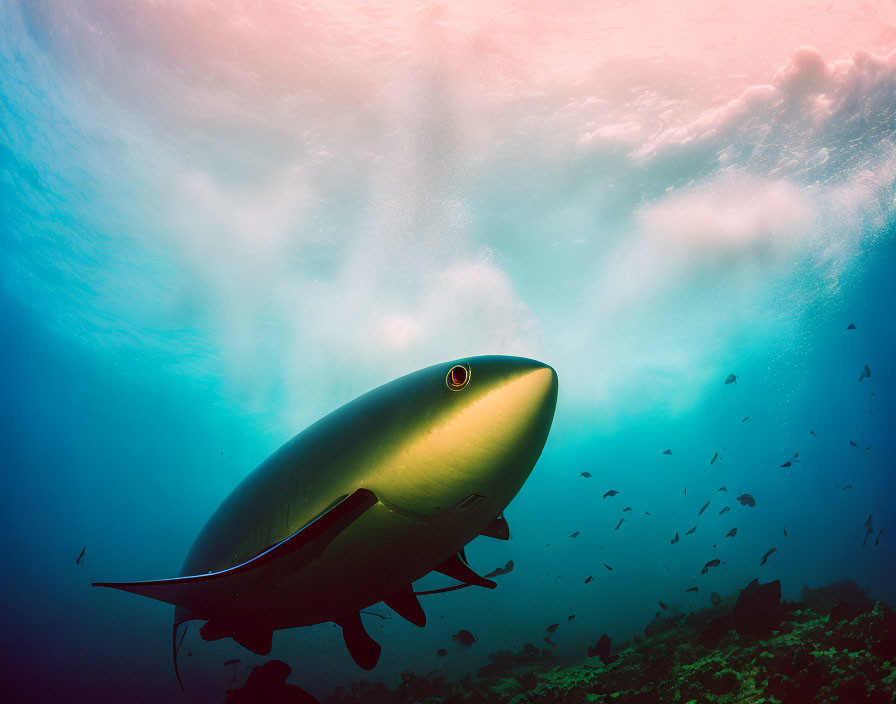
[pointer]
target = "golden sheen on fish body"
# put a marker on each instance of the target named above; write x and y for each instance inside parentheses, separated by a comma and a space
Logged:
(364, 502)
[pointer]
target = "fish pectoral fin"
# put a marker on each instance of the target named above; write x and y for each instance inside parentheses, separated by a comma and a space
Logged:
(365, 651)
(305, 544)
(458, 569)
(498, 529)
(406, 605)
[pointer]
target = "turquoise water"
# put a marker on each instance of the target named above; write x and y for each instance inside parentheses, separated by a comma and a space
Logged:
(191, 276)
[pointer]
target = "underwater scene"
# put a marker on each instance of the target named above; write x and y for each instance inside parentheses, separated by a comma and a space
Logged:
(444, 353)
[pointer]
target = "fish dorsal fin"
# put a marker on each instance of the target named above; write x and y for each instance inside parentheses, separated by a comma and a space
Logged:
(458, 569)
(406, 605)
(304, 545)
(498, 529)
(365, 651)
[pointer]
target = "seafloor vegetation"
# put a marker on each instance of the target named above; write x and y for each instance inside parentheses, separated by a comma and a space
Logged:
(832, 645)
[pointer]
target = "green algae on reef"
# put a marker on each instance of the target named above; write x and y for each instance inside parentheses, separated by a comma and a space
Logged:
(834, 645)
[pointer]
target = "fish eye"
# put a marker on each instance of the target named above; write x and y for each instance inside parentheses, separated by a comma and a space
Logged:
(458, 377)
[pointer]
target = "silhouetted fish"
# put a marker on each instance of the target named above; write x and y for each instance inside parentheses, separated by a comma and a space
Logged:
(611, 492)
(553, 627)
(574, 535)
(607, 566)
(589, 579)
(685, 491)
(692, 589)
(663, 606)
(813, 433)
(851, 326)
(731, 533)
(441, 652)
(786, 464)
(705, 506)
(746, 500)
(667, 452)
(549, 642)
(602, 650)
(723, 510)
(692, 530)
(868, 520)
(867, 533)
(80, 559)
(714, 458)
(852, 443)
(674, 540)
(232, 662)
(767, 555)
(877, 539)
(715, 598)
(722, 488)
(731, 379)
(464, 637)
(498, 571)
(848, 486)
(570, 617)
(866, 373)
(745, 419)
(713, 563)
(627, 508)
(587, 475)
(621, 521)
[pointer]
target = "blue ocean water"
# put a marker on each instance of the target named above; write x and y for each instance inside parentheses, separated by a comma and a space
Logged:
(143, 379)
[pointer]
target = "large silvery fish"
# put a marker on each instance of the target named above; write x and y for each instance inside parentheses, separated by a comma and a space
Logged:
(364, 502)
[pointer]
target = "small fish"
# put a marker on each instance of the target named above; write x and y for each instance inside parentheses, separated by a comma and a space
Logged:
(627, 508)
(549, 642)
(553, 627)
(602, 650)
(746, 500)
(851, 326)
(611, 492)
(587, 475)
(731, 533)
(852, 443)
(692, 530)
(232, 662)
(80, 559)
(868, 520)
(685, 491)
(589, 579)
(722, 488)
(714, 458)
(705, 506)
(723, 510)
(785, 532)
(713, 563)
(674, 540)
(715, 598)
(464, 637)
(767, 555)
(877, 539)
(621, 521)
(786, 464)
(745, 419)
(848, 486)
(441, 652)
(667, 452)
(867, 533)
(574, 535)
(607, 566)
(692, 589)
(813, 433)
(796, 454)
(731, 379)
(498, 571)
(570, 617)
(663, 606)
(866, 373)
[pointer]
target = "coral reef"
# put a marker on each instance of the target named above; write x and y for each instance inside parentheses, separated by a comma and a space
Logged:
(834, 645)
